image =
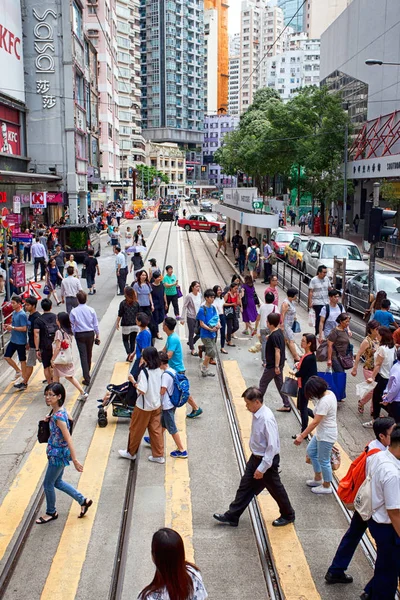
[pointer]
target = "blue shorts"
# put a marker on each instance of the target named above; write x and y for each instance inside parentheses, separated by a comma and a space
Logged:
(19, 348)
(168, 420)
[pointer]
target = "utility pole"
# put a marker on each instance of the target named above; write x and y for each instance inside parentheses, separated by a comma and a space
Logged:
(134, 184)
(346, 156)
(372, 250)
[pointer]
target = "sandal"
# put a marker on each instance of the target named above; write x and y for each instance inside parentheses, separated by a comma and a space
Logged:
(284, 409)
(223, 351)
(360, 408)
(85, 507)
(42, 520)
(245, 333)
(194, 353)
(212, 362)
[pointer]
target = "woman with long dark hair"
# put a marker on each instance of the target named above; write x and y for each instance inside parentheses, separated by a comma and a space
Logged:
(60, 452)
(127, 313)
(144, 291)
(375, 304)
(232, 302)
(305, 368)
(219, 305)
(250, 313)
(53, 278)
(175, 578)
(62, 360)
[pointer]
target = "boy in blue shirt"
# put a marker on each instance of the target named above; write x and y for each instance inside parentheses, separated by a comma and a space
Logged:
(209, 325)
(18, 340)
(143, 340)
(384, 317)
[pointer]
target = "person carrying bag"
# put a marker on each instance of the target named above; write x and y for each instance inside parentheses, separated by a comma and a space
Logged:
(232, 301)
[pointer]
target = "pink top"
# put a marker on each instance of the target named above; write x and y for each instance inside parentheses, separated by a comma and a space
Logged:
(275, 292)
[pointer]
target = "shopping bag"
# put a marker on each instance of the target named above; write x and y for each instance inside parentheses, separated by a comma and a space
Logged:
(362, 389)
(179, 291)
(296, 328)
(289, 387)
(311, 317)
(322, 352)
(336, 383)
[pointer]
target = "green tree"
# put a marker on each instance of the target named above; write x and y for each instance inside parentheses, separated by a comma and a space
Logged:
(148, 176)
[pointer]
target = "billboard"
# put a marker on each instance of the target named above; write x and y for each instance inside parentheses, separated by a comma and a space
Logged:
(11, 56)
(240, 197)
(9, 130)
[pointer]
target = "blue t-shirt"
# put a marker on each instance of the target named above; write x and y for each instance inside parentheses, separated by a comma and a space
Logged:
(384, 317)
(174, 345)
(209, 316)
(143, 340)
(19, 319)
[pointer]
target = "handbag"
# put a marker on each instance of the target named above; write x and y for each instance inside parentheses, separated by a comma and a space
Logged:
(46, 290)
(289, 387)
(43, 433)
(83, 274)
(347, 361)
(256, 299)
(244, 301)
(296, 327)
(64, 357)
(336, 383)
(197, 327)
(322, 352)
(178, 291)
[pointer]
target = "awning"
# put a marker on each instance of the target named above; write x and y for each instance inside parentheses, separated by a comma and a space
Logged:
(20, 177)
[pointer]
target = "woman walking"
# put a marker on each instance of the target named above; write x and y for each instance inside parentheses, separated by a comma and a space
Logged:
(62, 360)
(147, 413)
(127, 313)
(375, 304)
(338, 343)
(319, 450)
(92, 267)
(128, 239)
(253, 258)
(384, 358)
(153, 267)
(175, 578)
(191, 306)
(60, 451)
(367, 350)
(249, 314)
(159, 302)
(273, 288)
(232, 302)
(143, 291)
(288, 318)
(71, 263)
(219, 305)
(391, 397)
(305, 368)
(138, 237)
(53, 278)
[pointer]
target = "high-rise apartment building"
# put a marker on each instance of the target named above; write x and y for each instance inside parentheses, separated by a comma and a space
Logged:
(172, 70)
(215, 129)
(234, 74)
(216, 67)
(261, 25)
(293, 13)
(320, 14)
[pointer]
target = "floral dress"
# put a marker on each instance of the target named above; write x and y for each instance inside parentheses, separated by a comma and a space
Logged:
(199, 591)
(57, 448)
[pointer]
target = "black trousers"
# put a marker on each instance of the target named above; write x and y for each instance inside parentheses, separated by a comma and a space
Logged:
(305, 412)
(317, 308)
(267, 271)
(250, 487)
(39, 261)
(380, 387)
(232, 325)
(266, 378)
(85, 341)
(121, 279)
(174, 300)
(348, 545)
(384, 583)
(129, 341)
(192, 337)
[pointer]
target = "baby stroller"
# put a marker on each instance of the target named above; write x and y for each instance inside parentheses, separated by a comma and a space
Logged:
(122, 398)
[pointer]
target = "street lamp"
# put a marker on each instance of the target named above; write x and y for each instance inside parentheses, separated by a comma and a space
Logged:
(371, 62)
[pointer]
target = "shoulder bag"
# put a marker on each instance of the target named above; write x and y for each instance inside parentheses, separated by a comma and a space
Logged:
(43, 433)
(64, 357)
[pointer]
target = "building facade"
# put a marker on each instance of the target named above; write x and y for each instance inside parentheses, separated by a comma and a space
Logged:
(293, 13)
(234, 74)
(320, 14)
(170, 160)
(216, 45)
(215, 129)
(172, 70)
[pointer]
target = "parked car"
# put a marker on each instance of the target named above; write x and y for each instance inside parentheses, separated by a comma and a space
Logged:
(358, 292)
(199, 223)
(77, 239)
(293, 253)
(166, 212)
(280, 238)
(323, 250)
(206, 206)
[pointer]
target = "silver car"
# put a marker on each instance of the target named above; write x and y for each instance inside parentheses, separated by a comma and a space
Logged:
(358, 295)
(322, 251)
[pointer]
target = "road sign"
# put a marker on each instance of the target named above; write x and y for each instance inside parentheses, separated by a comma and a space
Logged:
(22, 237)
(257, 204)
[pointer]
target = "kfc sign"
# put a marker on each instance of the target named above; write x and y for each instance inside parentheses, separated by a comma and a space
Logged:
(38, 200)
(9, 140)
(11, 56)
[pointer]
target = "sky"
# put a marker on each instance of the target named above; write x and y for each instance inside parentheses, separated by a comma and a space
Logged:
(234, 16)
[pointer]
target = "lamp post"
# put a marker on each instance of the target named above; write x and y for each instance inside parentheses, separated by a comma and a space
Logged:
(371, 62)
(346, 154)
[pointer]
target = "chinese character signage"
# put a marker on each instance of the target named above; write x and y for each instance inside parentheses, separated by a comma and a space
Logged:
(38, 200)
(18, 275)
(44, 45)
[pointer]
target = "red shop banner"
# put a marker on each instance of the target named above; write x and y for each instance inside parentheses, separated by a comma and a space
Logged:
(18, 274)
(54, 198)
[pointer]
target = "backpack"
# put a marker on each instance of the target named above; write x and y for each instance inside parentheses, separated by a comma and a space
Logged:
(354, 478)
(220, 236)
(181, 393)
(50, 328)
(328, 310)
(252, 255)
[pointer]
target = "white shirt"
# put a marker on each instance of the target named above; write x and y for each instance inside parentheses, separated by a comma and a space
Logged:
(168, 382)
(120, 260)
(320, 289)
(70, 286)
(326, 430)
(389, 356)
(265, 310)
(151, 398)
(264, 438)
(219, 305)
(330, 322)
(385, 485)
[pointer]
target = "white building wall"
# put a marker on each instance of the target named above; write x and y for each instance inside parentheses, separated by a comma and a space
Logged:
(319, 14)
(211, 62)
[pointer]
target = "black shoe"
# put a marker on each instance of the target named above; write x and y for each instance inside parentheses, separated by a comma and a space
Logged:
(84, 382)
(224, 519)
(365, 596)
(338, 578)
(281, 522)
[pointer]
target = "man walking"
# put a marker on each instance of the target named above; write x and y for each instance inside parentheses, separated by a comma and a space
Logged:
(39, 256)
(33, 314)
(170, 282)
(262, 468)
(70, 286)
(17, 343)
(209, 325)
(329, 314)
(318, 293)
(237, 240)
(45, 328)
(267, 252)
(60, 259)
(86, 329)
(274, 360)
(121, 269)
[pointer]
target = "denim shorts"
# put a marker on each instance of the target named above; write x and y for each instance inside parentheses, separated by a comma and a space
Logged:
(168, 420)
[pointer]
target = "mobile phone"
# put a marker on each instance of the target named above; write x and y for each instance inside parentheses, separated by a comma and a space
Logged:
(97, 342)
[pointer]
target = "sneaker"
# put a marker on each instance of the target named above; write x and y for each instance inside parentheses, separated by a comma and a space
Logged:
(147, 439)
(312, 483)
(125, 454)
(368, 424)
(157, 459)
(18, 375)
(207, 373)
(83, 397)
(195, 413)
(178, 318)
(179, 454)
(320, 489)
(20, 386)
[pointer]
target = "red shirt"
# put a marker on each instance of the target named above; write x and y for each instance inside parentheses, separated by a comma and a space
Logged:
(275, 292)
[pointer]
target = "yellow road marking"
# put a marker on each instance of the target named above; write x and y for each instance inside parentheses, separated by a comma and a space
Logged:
(65, 572)
(288, 555)
(10, 400)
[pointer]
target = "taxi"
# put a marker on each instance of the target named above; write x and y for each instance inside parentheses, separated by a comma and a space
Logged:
(199, 223)
(293, 253)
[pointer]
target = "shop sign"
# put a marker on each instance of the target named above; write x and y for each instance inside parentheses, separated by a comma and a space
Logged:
(9, 141)
(3, 197)
(44, 48)
(55, 198)
(38, 200)
(374, 168)
(14, 220)
(18, 273)
(11, 55)
(21, 237)
(17, 205)
(240, 197)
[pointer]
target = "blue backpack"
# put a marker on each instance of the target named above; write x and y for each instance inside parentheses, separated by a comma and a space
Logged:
(181, 393)
(253, 255)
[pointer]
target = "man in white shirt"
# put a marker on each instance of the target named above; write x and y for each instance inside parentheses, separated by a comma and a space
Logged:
(383, 427)
(262, 468)
(385, 522)
(318, 293)
(70, 286)
(121, 269)
(329, 314)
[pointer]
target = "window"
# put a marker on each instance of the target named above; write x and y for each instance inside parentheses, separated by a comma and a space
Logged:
(79, 90)
(77, 22)
(110, 131)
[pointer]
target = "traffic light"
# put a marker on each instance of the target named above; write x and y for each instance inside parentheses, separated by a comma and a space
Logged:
(378, 230)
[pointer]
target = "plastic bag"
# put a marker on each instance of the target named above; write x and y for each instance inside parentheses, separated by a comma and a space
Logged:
(335, 458)
(311, 317)
(362, 389)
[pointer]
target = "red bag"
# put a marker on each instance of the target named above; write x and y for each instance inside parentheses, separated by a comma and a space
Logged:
(355, 476)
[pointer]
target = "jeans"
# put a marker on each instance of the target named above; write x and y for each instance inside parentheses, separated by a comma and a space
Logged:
(348, 545)
(173, 298)
(317, 308)
(192, 337)
(27, 253)
(222, 331)
(241, 262)
(320, 456)
(53, 479)
(121, 279)
(129, 341)
(383, 584)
